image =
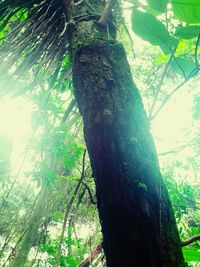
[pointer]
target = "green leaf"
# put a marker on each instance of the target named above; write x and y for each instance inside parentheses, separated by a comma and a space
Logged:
(180, 63)
(152, 30)
(187, 32)
(159, 6)
(54, 77)
(187, 10)
(191, 255)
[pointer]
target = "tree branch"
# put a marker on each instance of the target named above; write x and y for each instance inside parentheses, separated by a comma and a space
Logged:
(190, 240)
(175, 149)
(68, 209)
(92, 256)
(192, 74)
(90, 193)
(159, 88)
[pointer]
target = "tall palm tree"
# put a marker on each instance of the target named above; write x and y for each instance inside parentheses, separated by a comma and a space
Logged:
(135, 212)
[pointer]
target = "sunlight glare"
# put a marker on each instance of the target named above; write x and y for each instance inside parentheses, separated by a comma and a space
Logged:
(172, 126)
(15, 121)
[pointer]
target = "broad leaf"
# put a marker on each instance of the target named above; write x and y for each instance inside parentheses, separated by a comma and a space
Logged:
(187, 32)
(180, 63)
(187, 10)
(159, 6)
(152, 30)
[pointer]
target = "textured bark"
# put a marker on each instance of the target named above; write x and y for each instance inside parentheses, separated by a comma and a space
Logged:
(135, 212)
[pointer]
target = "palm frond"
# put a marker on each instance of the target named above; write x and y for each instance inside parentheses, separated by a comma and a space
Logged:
(32, 33)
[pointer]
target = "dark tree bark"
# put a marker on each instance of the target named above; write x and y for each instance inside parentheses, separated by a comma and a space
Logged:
(135, 212)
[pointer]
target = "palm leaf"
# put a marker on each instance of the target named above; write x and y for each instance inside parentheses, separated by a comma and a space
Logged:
(32, 33)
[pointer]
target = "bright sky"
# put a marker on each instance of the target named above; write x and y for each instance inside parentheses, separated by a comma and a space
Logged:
(15, 121)
(15, 118)
(173, 125)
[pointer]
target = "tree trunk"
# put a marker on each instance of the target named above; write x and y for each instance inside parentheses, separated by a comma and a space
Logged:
(135, 212)
(39, 214)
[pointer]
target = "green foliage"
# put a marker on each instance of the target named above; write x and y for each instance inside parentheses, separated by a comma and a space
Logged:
(65, 261)
(43, 174)
(185, 199)
(183, 65)
(187, 32)
(191, 255)
(159, 6)
(152, 30)
(187, 10)
(163, 32)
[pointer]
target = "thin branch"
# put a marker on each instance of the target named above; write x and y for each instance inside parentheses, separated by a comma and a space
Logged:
(130, 38)
(178, 64)
(190, 240)
(89, 193)
(161, 82)
(68, 209)
(192, 73)
(196, 50)
(173, 51)
(175, 149)
(159, 87)
(92, 256)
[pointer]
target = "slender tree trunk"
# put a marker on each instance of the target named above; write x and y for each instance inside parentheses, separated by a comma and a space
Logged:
(135, 212)
(40, 213)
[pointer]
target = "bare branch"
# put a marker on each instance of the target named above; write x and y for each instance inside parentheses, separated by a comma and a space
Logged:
(175, 149)
(190, 240)
(192, 73)
(178, 64)
(92, 256)
(90, 193)
(159, 87)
